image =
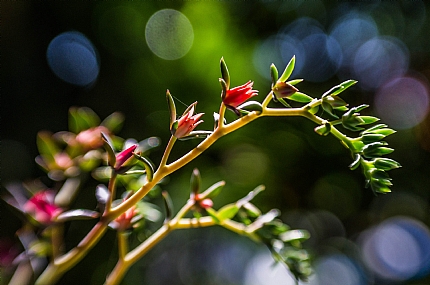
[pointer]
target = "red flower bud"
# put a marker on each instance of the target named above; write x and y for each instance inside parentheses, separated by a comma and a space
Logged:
(186, 124)
(123, 156)
(237, 95)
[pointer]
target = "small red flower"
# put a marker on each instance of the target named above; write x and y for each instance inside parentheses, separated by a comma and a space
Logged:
(42, 208)
(238, 95)
(187, 123)
(123, 156)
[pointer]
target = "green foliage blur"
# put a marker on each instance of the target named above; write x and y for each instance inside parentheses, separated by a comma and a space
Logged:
(304, 173)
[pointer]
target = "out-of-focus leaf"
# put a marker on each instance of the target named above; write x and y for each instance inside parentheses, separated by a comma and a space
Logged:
(77, 214)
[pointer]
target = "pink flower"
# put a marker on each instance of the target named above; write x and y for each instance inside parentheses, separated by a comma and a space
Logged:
(238, 95)
(125, 220)
(42, 208)
(91, 138)
(187, 123)
(123, 156)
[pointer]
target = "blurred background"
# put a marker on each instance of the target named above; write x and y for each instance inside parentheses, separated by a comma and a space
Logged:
(127, 53)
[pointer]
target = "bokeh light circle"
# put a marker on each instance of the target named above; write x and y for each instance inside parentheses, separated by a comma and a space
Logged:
(378, 60)
(337, 269)
(73, 58)
(169, 34)
(323, 57)
(403, 102)
(398, 249)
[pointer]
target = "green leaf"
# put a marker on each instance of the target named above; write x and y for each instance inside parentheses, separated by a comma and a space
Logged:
(273, 74)
(293, 235)
(46, 145)
(224, 73)
(251, 195)
(82, 119)
(113, 122)
(356, 163)
(172, 108)
(288, 70)
(195, 182)
(300, 97)
(294, 81)
(374, 128)
(370, 138)
(227, 212)
(335, 102)
(384, 131)
(109, 149)
(251, 106)
(368, 120)
(323, 130)
(344, 85)
(251, 210)
(214, 215)
(328, 109)
(168, 204)
(376, 149)
(212, 191)
(386, 163)
(149, 166)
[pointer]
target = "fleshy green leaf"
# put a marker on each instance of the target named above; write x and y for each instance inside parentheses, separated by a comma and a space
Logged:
(328, 109)
(172, 108)
(195, 182)
(323, 130)
(288, 70)
(113, 122)
(168, 204)
(251, 106)
(227, 212)
(356, 163)
(273, 74)
(46, 145)
(109, 149)
(251, 195)
(294, 81)
(212, 191)
(224, 72)
(386, 163)
(213, 214)
(370, 138)
(149, 166)
(368, 120)
(300, 97)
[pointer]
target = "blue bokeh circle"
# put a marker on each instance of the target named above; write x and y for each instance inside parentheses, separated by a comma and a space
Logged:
(73, 58)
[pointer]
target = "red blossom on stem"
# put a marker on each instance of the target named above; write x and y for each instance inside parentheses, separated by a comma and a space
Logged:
(187, 123)
(238, 95)
(42, 208)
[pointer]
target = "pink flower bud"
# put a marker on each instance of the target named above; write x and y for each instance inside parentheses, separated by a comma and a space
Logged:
(206, 203)
(238, 95)
(123, 156)
(124, 221)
